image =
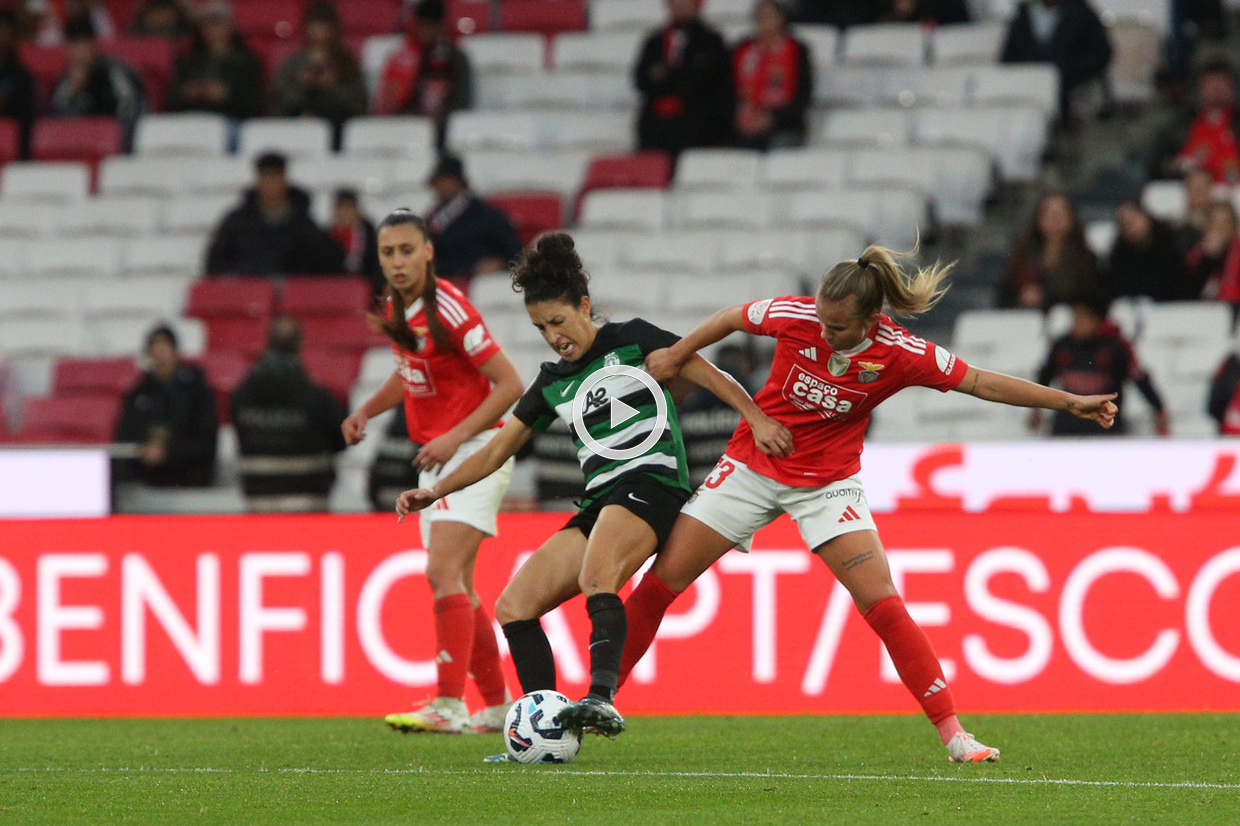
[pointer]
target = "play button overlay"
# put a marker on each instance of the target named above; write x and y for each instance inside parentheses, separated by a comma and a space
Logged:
(619, 381)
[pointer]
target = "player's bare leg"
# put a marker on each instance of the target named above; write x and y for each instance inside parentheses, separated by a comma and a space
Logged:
(858, 561)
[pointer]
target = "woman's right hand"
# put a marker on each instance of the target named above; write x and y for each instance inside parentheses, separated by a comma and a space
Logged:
(771, 437)
(415, 499)
(663, 365)
(354, 428)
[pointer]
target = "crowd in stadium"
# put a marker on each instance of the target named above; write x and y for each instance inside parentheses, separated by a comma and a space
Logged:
(193, 186)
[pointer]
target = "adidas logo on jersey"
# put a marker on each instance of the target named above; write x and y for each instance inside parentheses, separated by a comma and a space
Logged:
(810, 353)
(849, 515)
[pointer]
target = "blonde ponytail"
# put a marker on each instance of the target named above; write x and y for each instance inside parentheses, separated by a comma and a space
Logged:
(877, 280)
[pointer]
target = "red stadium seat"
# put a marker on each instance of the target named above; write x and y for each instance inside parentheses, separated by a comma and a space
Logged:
(270, 19)
(325, 295)
(10, 140)
(542, 16)
(236, 312)
(46, 64)
(348, 333)
(76, 419)
(647, 168)
(531, 212)
(466, 17)
(334, 369)
(225, 370)
(99, 376)
(152, 58)
(88, 140)
(367, 17)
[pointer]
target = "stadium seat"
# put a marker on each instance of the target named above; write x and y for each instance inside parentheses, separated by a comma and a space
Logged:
(376, 51)
(828, 247)
(367, 17)
(638, 169)
(594, 51)
(1100, 236)
(495, 129)
(718, 169)
(638, 16)
(607, 131)
(378, 363)
(225, 370)
(335, 172)
(849, 85)
(492, 172)
(235, 310)
(1165, 199)
(1024, 83)
(228, 175)
(1177, 323)
(466, 17)
(531, 213)
(73, 257)
(143, 296)
(857, 210)
(967, 43)
(601, 249)
(744, 210)
(505, 52)
(786, 249)
(685, 294)
(268, 21)
(52, 182)
(999, 328)
(568, 89)
(122, 216)
(141, 175)
(347, 333)
(1153, 13)
(334, 369)
(77, 419)
(87, 140)
(293, 137)
(1014, 135)
(46, 64)
(196, 134)
(918, 87)
(692, 251)
(102, 376)
(10, 141)
(1134, 64)
(12, 257)
(22, 220)
(865, 128)
(329, 296)
(152, 58)
(40, 337)
(51, 298)
(635, 209)
(196, 214)
(809, 168)
(389, 136)
(884, 44)
(174, 256)
(823, 42)
(630, 293)
(546, 17)
(723, 13)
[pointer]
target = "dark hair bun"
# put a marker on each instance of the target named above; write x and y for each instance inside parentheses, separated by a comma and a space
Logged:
(550, 268)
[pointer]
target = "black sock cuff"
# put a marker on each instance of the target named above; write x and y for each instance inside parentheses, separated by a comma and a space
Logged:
(603, 602)
(518, 627)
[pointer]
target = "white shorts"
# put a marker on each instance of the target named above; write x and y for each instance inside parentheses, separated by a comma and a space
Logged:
(735, 502)
(475, 505)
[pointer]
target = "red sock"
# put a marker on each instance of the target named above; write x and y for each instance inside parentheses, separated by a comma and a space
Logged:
(484, 661)
(644, 610)
(913, 656)
(454, 634)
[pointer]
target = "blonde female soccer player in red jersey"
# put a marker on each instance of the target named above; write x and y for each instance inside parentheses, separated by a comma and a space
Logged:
(837, 355)
(455, 383)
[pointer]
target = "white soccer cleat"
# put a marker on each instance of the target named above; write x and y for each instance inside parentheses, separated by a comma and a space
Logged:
(442, 715)
(489, 720)
(962, 748)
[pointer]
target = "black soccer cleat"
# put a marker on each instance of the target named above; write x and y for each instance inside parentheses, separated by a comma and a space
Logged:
(590, 714)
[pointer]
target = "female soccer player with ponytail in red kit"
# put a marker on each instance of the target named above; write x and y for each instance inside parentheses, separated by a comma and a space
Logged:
(837, 355)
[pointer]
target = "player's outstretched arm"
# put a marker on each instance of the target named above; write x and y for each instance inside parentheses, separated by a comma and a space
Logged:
(511, 437)
(666, 363)
(997, 387)
(390, 394)
(771, 437)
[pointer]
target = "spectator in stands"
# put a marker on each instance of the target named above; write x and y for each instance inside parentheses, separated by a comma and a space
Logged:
(272, 232)
(1051, 261)
(288, 429)
(52, 17)
(937, 12)
(1212, 270)
(1206, 138)
(428, 75)
(470, 236)
(169, 416)
(219, 73)
(685, 80)
(1199, 197)
(774, 81)
(1223, 403)
(356, 235)
(1145, 260)
(322, 78)
(1095, 355)
(16, 82)
(1067, 34)
(93, 84)
(163, 18)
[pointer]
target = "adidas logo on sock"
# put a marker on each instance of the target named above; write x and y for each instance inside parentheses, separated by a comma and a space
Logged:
(935, 687)
(443, 657)
(850, 515)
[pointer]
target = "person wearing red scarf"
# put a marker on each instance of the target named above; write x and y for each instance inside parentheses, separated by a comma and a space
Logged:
(685, 82)
(773, 78)
(1207, 137)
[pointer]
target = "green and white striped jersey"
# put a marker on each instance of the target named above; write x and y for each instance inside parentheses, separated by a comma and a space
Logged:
(551, 395)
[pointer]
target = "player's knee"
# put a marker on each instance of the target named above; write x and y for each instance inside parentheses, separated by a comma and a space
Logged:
(511, 608)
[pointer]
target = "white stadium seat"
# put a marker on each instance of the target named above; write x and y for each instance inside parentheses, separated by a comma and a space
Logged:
(809, 168)
(13, 257)
(23, 220)
(968, 43)
(376, 51)
(1165, 199)
(626, 15)
(884, 44)
(822, 41)
(77, 257)
(685, 251)
(504, 52)
(157, 176)
(52, 298)
(629, 293)
(857, 85)
(737, 209)
(492, 129)
(600, 249)
(197, 214)
(229, 176)
(1024, 83)
(1153, 13)
(491, 172)
(134, 297)
(25, 337)
(1100, 236)
(639, 209)
(921, 87)
(291, 137)
(596, 132)
(611, 52)
(51, 181)
(787, 249)
(182, 134)
(864, 128)
(388, 136)
(718, 168)
(336, 172)
(855, 209)
(110, 217)
(169, 257)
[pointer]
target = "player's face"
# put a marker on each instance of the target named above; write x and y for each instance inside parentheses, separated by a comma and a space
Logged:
(569, 330)
(404, 253)
(841, 327)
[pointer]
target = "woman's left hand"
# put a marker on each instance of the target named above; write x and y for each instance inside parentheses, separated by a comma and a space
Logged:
(437, 451)
(771, 437)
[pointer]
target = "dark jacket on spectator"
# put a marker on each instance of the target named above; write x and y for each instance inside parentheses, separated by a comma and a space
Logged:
(467, 229)
(288, 429)
(180, 413)
(17, 98)
(111, 90)
(1076, 272)
(239, 71)
(686, 96)
(1155, 269)
(247, 243)
(1092, 366)
(1078, 46)
(1223, 389)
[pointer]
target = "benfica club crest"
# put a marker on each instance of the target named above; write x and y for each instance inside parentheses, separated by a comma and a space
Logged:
(869, 371)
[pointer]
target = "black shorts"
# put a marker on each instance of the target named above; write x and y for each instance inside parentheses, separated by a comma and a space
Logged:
(650, 500)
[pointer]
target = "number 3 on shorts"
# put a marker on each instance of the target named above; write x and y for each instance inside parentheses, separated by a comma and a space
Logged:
(718, 474)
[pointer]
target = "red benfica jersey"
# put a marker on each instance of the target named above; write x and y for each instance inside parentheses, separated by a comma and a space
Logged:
(443, 388)
(825, 397)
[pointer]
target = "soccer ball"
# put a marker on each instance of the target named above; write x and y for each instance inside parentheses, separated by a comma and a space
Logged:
(533, 731)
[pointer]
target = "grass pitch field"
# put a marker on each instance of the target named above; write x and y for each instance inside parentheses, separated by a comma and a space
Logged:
(1074, 769)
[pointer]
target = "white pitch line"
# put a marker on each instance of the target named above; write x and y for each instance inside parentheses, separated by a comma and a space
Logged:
(566, 772)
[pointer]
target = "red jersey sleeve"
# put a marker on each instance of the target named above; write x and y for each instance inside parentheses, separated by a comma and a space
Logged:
(770, 316)
(466, 328)
(936, 367)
